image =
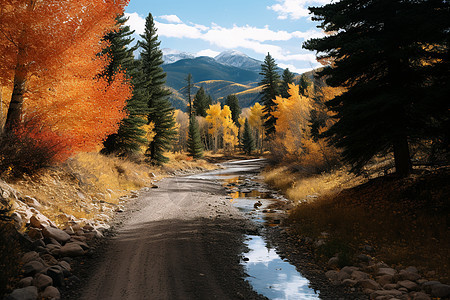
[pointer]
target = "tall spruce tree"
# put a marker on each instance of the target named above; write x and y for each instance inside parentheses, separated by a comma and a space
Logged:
(287, 78)
(130, 136)
(389, 54)
(248, 142)
(303, 85)
(194, 143)
(233, 102)
(160, 109)
(201, 102)
(270, 89)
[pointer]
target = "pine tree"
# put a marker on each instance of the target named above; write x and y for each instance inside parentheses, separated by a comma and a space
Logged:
(392, 74)
(188, 92)
(233, 102)
(248, 143)
(194, 143)
(201, 102)
(287, 78)
(304, 85)
(161, 112)
(270, 84)
(130, 136)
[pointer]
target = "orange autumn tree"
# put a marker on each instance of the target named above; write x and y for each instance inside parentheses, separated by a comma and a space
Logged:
(49, 51)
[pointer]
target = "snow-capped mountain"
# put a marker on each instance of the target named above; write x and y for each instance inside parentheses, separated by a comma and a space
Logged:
(240, 60)
(170, 56)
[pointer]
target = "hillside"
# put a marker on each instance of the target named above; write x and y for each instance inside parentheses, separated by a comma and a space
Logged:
(203, 69)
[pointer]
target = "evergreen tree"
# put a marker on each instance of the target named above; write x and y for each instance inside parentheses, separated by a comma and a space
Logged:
(287, 78)
(248, 143)
(130, 136)
(393, 74)
(194, 143)
(270, 84)
(201, 102)
(304, 85)
(188, 92)
(160, 110)
(233, 102)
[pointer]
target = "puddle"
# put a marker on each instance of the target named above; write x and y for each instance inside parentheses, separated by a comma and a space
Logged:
(268, 274)
(271, 276)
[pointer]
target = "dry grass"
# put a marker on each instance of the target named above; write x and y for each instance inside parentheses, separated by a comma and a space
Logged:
(406, 220)
(89, 185)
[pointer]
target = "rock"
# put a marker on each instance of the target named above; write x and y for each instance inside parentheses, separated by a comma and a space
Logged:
(31, 202)
(35, 234)
(27, 293)
(392, 293)
(32, 268)
(57, 234)
(364, 258)
(349, 269)
(349, 282)
(427, 286)
(385, 279)
(49, 259)
(440, 290)
(359, 276)
(65, 265)
(421, 296)
(406, 275)
(39, 221)
(38, 243)
(332, 275)
(57, 274)
(368, 248)
(391, 286)
(52, 241)
(18, 221)
(333, 262)
(82, 244)
(386, 271)
(88, 227)
(369, 284)
(71, 250)
(29, 256)
(342, 275)
(408, 284)
(41, 281)
(52, 293)
(24, 282)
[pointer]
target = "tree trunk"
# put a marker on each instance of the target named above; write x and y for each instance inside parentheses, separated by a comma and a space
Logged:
(16, 104)
(403, 166)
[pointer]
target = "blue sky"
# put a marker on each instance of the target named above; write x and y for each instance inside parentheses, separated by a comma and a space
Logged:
(253, 27)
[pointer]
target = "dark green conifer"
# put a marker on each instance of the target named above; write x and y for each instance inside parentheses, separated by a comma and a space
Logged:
(271, 89)
(233, 102)
(188, 92)
(160, 109)
(248, 142)
(194, 143)
(130, 136)
(287, 78)
(390, 55)
(201, 102)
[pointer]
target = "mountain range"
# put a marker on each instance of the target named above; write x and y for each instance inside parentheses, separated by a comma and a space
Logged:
(230, 72)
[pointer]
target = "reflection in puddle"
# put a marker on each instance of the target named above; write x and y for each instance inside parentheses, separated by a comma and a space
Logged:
(271, 276)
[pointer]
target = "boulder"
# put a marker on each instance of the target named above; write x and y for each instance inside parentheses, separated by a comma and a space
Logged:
(41, 281)
(386, 271)
(24, 282)
(32, 268)
(57, 274)
(71, 250)
(333, 262)
(421, 296)
(29, 256)
(332, 276)
(391, 286)
(392, 293)
(35, 233)
(359, 276)
(51, 293)
(440, 290)
(369, 284)
(65, 265)
(342, 275)
(349, 282)
(49, 259)
(385, 279)
(31, 202)
(27, 293)
(427, 286)
(57, 234)
(408, 284)
(407, 275)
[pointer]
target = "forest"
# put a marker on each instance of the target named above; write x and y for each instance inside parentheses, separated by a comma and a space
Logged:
(365, 137)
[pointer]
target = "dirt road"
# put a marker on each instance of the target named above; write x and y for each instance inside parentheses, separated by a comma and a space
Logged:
(184, 242)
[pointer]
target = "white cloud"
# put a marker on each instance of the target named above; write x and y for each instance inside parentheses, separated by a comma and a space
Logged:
(171, 19)
(208, 52)
(136, 22)
(294, 69)
(260, 40)
(294, 9)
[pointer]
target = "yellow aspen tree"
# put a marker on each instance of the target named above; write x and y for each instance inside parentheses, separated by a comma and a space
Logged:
(292, 116)
(229, 129)
(256, 120)
(215, 123)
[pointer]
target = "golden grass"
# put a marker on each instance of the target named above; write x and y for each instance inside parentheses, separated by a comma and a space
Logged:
(405, 220)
